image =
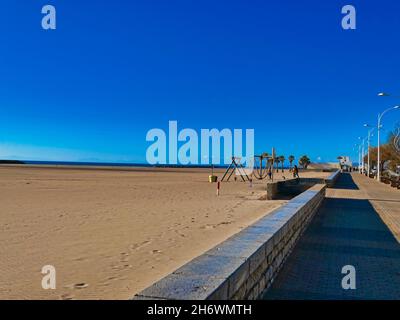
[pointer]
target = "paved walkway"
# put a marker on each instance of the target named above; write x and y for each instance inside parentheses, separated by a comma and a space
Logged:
(347, 230)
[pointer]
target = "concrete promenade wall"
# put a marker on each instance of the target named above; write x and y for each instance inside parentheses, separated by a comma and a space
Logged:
(287, 187)
(244, 265)
(296, 186)
(331, 180)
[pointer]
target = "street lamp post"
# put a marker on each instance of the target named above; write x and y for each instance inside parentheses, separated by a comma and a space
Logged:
(363, 156)
(362, 153)
(355, 148)
(379, 142)
(382, 94)
(369, 146)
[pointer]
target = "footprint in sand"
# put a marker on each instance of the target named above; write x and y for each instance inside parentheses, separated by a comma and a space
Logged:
(117, 267)
(180, 234)
(80, 285)
(80, 259)
(213, 226)
(137, 246)
(124, 257)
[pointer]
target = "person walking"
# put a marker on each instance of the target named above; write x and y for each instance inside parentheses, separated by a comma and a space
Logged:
(295, 172)
(269, 173)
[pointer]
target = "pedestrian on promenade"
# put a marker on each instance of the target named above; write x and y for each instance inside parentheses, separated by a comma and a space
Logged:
(295, 172)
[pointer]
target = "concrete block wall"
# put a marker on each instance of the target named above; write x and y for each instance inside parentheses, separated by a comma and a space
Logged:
(288, 187)
(246, 264)
(297, 186)
(331, 180)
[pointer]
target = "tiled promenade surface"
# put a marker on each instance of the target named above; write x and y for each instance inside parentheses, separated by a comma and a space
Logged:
(347, 230)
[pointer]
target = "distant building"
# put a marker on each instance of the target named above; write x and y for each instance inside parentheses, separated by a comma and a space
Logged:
(345, 163)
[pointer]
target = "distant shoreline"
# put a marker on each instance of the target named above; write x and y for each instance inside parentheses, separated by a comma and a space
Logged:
(105, 164)
(115, 165)
(11, 162)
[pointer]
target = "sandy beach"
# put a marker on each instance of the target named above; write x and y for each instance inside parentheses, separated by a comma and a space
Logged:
(112, 232)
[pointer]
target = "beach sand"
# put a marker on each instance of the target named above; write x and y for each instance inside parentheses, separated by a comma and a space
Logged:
(112, 232)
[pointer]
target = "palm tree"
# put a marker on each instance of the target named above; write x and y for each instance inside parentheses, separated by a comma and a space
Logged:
(291, 159)
(265, 156)
(277, 160)
(282, 161)
(304, 161)
(270, 163)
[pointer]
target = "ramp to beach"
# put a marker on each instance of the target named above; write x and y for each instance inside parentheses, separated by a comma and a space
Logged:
(357, 225)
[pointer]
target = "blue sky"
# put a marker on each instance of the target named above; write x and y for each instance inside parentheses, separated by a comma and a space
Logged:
(90, 90)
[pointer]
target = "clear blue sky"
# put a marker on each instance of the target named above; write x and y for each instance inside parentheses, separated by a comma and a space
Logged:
(112, 70)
